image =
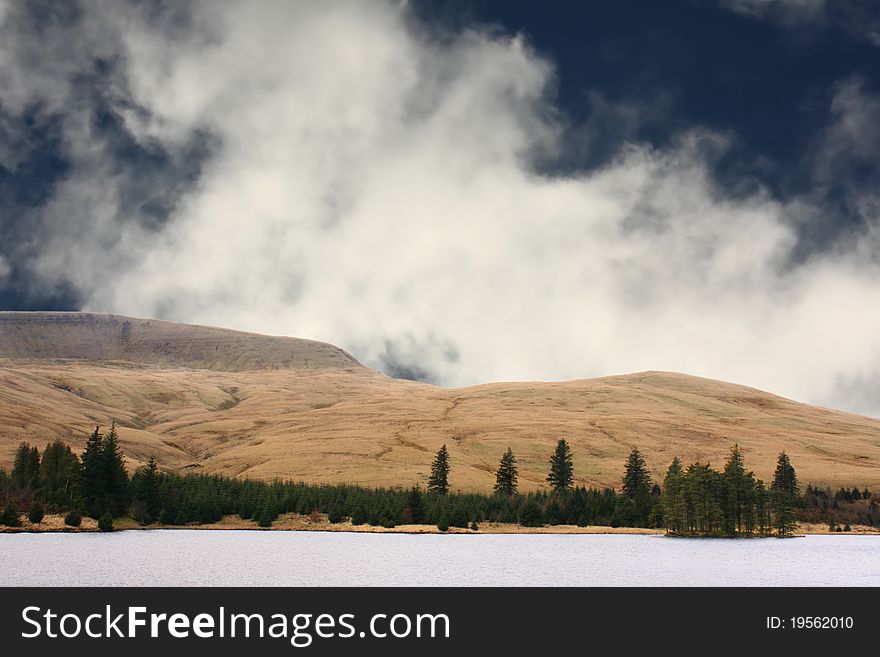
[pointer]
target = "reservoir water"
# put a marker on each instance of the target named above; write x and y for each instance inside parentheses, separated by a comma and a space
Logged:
(280, 558)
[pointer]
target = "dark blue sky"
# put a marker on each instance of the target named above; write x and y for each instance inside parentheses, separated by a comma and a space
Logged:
(766, 81)
(690, 62)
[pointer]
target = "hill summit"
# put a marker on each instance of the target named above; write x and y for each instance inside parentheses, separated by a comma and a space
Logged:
(101, 337)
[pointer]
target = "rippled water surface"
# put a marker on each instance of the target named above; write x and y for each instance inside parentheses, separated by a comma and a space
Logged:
(279, 558)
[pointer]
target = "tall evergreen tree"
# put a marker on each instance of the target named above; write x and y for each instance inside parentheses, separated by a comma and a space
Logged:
(561, 475)
(785, 477)
(438, 482)
(59, 472)
(26, 467)
(93, 481)
(146, 494)
(784, 492)
(117, 492)
(673, 499)
(737, 491)
(506, 476)
(636, 478)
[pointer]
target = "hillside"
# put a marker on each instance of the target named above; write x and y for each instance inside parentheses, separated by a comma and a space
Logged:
(212, 400)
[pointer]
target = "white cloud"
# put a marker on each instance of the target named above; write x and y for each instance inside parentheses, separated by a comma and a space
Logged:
(376, 185)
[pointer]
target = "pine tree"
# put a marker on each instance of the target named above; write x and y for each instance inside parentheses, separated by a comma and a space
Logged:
(59, 473)
(735, 492)
(561, 474)
(438, 482)
(506, 476)
(93, 482)
(145, 485)
(116, 491)
(784, 492)
(673, 499)
(637, 479)
(26, 469)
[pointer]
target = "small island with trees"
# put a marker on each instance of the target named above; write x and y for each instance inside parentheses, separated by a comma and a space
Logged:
(692, 501)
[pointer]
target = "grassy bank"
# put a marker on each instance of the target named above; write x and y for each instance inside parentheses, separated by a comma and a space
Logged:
(299, 522)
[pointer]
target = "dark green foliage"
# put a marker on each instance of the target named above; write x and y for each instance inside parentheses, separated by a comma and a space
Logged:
(35, 513)
(359, 515)
(9, 517)
(26, 469)
(636, 478)
(784, 492)
(738, 496)
(530, 514)
(459, 517)
(785, 477)
(267, 514)
(73, 519)
(105, 522)
(104, 481)
(147, 503)
(698, 500)
(637, 486)
(117, 495)
(506, 476)
(702, 501)
(92, 477)
(170, 514)
(443, 521)
(561, 474)
(438, 482)
(59, 474)
(474, 526)
(414, 511)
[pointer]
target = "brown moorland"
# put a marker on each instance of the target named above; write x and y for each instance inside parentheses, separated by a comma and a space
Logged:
(212, 400)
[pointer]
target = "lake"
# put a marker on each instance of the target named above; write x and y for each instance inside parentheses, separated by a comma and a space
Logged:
(279, 558)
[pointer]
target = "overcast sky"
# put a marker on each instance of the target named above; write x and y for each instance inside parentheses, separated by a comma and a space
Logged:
(484, 191)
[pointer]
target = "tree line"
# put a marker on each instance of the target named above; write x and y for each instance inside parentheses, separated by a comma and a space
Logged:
(696, 500)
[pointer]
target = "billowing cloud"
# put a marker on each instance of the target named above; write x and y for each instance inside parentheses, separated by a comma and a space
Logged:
(333, 170)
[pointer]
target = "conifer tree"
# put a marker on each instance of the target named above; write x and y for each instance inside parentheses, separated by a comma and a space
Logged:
(506, 476)
(117, 492)
(785, 490)
(561, 474)
(145, 485)
(736, 491)
(93, 482)
(673, 499)
(59, 474)
(637, 479)
(438, 482)
(26, 467)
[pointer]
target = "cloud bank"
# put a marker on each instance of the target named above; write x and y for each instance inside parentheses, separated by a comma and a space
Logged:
(342, 172)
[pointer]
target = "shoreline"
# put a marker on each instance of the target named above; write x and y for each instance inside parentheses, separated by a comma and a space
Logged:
(54, 524)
